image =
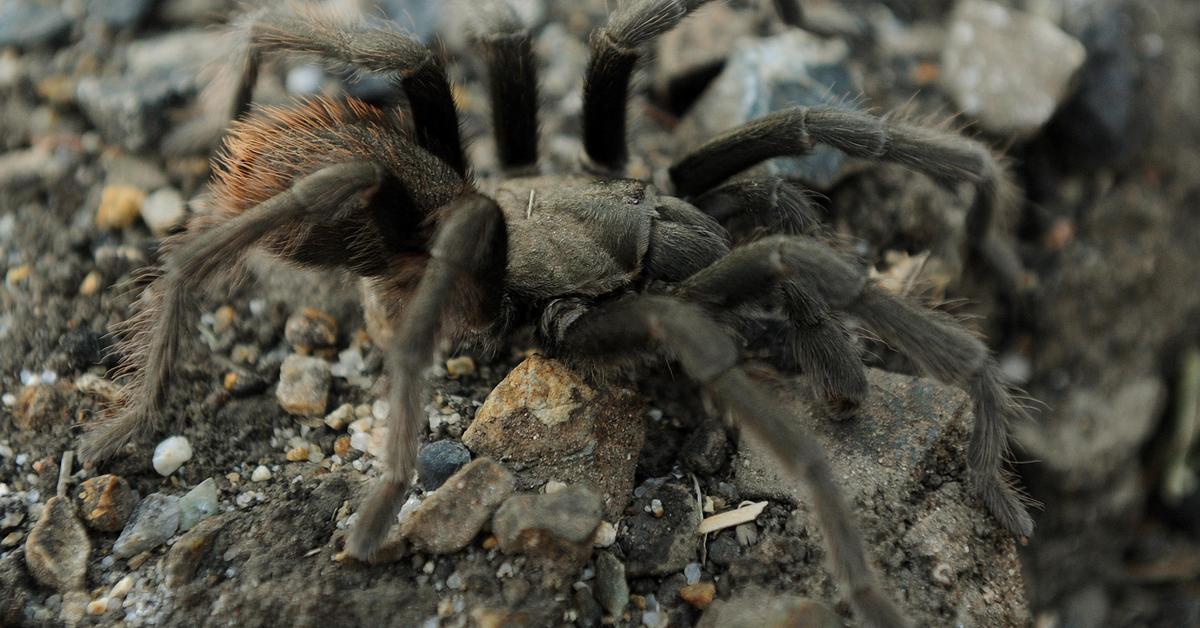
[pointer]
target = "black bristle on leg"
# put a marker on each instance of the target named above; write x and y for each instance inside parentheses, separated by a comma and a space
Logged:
(512, 80)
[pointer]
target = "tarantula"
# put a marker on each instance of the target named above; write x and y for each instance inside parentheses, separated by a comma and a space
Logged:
(601, 266)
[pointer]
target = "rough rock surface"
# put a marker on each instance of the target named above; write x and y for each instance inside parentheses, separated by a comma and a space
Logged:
(106, 502)
(58, 549)
(554, 530)
(546, 423)
(1008, 69)
(452, 515)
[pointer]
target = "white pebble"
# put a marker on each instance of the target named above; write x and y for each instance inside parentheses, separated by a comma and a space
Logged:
(170, 454)
(98, 606)
(305, 79)
(606, 535)
(260, 474)
(554, 486)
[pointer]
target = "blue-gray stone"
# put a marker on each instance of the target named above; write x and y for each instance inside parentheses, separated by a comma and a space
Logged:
(764, 75)
(27, 24)
(199, 504)
(440, 460)
(131, 111)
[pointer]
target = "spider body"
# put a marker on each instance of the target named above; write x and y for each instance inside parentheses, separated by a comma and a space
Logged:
(605, 268)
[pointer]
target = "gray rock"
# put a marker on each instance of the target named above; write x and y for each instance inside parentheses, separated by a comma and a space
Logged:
(185, 555)
(1008, 69)
(119, 13)
(590, 613)
(554, 530)
(1096, 432)
(310, 329)
(198, 504)
(58, 549)
(29, 24)
(131, 111)
(769, 74)
(904, 422)
(438, 461)
(663, 544)
(155, 520)
(106, 502)
(547, 423)
(453, 515)
(304, 385)
(612, 591)
(182, 53)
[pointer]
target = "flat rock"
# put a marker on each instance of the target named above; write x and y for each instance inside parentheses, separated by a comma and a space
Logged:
(612, 590)
(661, 537)
(453, 515)
(131, 111)
(155, 520)
(198, 504)
(304, 385)
(546, 423)
(901, 466)
(1008, 69)
(58, 548)
(904, 422)
(106, 502)
(183, 559)
(554, 530)
(768, 74)
(28, 24)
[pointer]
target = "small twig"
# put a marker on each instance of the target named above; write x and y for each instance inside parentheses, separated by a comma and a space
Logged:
(731, 518)
(529, 207)
(64, 472)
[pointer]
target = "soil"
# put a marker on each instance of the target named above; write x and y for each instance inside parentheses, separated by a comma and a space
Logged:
(1108, 227)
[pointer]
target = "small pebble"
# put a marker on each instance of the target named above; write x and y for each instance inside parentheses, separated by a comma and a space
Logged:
(39, 405)
(119, 206)
(656, 508)
(310, 329)
(121, 588)
(439, 460)
(692, 573)
(340, 418)
(606, 535)
(155, 520)
(303, 385)
(163, 210)
(747, 534)
(554, 486)
(17, 274)
(90, 284)
(106, 502)
(197, 504)
(97, 606)
(298, 454)
(699, 594)
(170, 454)
(461, 366)
(260, 474)
(58, 548)
(612, 591)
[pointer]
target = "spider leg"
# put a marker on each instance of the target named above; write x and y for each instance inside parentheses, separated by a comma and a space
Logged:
(154, 337)
(709, 355)
(770, 204)
(935, 343)
(945, 157)
(816, 342)
(512, 80)
(356, 43)
(614, 52)
(465, 269)
(791, 12)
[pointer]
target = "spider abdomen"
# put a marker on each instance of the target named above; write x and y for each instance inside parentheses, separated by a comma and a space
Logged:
(275, 146)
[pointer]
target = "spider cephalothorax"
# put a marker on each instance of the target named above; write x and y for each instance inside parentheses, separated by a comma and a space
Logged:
(602, 266)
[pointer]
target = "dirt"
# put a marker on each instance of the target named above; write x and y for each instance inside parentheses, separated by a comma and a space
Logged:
(1108, 232)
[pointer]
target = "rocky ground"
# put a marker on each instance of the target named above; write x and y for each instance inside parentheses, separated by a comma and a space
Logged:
(544, 498)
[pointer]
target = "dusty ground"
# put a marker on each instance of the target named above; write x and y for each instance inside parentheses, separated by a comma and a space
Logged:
(1107, 224)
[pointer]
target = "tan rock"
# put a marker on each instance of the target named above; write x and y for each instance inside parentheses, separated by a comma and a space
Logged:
(120, 205)
(552, 425)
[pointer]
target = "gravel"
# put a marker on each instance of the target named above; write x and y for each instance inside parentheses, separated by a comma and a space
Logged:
(153, 522)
